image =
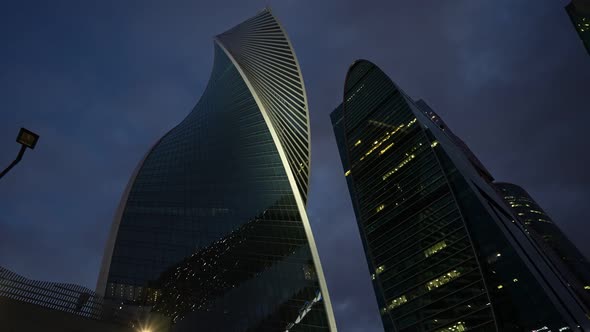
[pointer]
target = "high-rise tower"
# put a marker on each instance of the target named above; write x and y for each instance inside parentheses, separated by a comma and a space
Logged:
(212, 229)
(568, 260)
(443, 248)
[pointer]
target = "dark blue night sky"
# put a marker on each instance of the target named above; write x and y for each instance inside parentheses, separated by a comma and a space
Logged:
(101, 81)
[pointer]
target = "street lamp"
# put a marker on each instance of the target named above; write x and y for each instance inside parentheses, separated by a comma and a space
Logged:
(27, 139)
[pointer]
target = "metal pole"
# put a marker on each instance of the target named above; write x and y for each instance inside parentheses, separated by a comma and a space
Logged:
(18, 158)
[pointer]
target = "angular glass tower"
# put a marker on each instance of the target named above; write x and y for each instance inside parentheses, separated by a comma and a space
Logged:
(443, 248)
(212, 229)
(568, 260)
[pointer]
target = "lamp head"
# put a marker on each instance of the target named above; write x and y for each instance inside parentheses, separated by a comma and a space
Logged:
(27, 138)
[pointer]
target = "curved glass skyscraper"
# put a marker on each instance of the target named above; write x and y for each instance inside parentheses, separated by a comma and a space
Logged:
(444, 251)
(212, 230)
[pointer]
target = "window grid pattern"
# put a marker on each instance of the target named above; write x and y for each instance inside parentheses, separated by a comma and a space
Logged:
(405, 208)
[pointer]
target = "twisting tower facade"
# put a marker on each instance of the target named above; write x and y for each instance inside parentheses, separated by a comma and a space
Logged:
(212, 229)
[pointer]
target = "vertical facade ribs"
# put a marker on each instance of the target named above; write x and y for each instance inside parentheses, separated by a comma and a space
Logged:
(262, 50)
(213, 231)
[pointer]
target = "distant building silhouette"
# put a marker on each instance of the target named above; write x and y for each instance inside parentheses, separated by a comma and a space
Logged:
(568, 260)
(444, 251)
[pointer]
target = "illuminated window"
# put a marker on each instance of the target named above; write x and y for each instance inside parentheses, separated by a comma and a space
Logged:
(514, 280)
(386, 148)
(347, 173)
(435, 143)
(587, 287)
(380, 269)
(444, 279)
(357, 90)
(379, 142)
(357, 143)
(397, 302)
(457, 327)
(435, 248)
(519, 205)
(380, 207)
(402, 164)
(500, 286)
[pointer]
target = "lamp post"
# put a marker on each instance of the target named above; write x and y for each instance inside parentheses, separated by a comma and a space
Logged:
(27, 139)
